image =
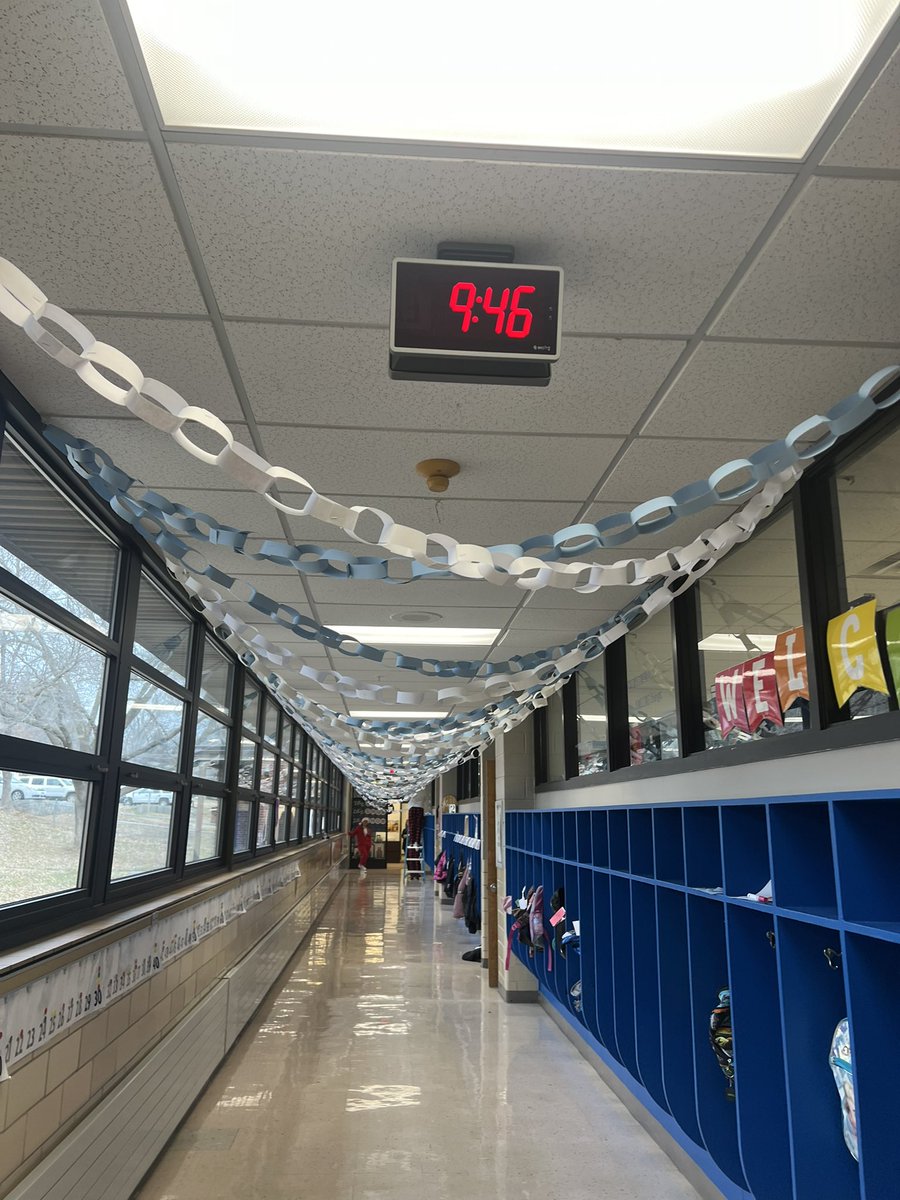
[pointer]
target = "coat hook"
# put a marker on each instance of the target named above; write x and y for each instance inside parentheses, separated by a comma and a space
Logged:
(833, 958)
(770, 937)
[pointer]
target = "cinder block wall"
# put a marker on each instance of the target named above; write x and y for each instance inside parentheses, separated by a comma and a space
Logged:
(53, 1089)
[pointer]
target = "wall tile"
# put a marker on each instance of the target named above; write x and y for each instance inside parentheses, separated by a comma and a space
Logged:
(104, 1067)
(76, 1091)
(26, 1087)
(140, 1002)
(42, 1121)
(119, 1018)
(63, 1059)
(12, 1147)
(93, 1037)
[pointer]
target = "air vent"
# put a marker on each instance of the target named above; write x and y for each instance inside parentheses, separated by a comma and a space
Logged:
(884, 566)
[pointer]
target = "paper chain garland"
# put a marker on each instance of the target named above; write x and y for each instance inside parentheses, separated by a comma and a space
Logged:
(160, 406)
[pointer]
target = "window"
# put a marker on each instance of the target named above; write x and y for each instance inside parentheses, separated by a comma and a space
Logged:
(651, 691)
(271, 725)
(210, 748)
(153, 723)
(593, 751)
(556, 753)
(143, 831)
(267, 772)
(203, 828)
(215, 678)
(264, 824)
(287, 730)
(42, 835)
(162, 634)
(281, 823)
(751, 641)
(294, 831)
(247, 767)
(242, 817)
(284, 777)
(51, 683)
(868, 489)
(52, 547)
(251, 707)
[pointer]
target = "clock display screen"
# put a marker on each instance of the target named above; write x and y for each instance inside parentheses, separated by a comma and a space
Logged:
(484, 310)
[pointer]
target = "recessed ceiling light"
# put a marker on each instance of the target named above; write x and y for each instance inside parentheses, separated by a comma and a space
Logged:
(584, 717)
(416, 617)
(699, 77)
(417, 635)
(747, 643)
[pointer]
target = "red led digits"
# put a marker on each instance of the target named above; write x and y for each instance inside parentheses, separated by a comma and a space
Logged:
(517, 311)
(464, 307)
(496, 309)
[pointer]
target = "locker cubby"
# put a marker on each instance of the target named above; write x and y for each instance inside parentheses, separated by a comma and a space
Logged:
(867, 840)
(668, 844)
(618, 839)
(745, 849)
(758, 1054)
(702, 847)
(660, 894)
(813, 999)
(802, 861)
(640, 842)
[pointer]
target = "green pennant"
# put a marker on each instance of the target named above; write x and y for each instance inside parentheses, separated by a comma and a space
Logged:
(892, 640)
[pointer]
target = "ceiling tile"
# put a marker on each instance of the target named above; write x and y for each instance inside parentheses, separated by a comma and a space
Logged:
(871, 138)
(182, 354)
(654, 467)
(832, 270)
(312, 235)
(149, 455)
(761, 390)
(239, 509)
(58, 67)
(317, 374)
(364, 463)
(89, 222)
(437, 595)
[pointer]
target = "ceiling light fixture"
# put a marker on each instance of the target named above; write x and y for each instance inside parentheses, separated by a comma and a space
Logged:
(732, 643)
(417, 635)
(693, 92)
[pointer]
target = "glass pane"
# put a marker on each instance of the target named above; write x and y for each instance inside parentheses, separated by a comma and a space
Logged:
(247, 766)
(210, 748)
(215, 679)
(143, 831)
(868, 491)
(242, 816)
(287, 730)
(162, 634)
(267, 772)
(251, 707)
(556, 754)
(294, 823)
(593, 755)
(270, 731)
(281, 823)
(284, 772)
(264, 824)
(203, 828)
(48, 544)
(42, 824)
(297, 784)
(651, 691)
(153, 720)
(747, 601)
(51, 684)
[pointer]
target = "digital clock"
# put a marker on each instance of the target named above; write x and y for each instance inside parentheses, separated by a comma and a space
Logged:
(487, 311)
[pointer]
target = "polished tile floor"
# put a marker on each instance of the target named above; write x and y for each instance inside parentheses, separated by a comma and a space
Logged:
(385, 1069)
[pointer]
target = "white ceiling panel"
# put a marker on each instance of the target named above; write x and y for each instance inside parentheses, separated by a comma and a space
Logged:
(152, 456)
(435, 595)
(301, 374)
(336, 613)
(871, 137)
(58, 67)
(832, 271)
(183, 354)
(366, 464)
(241, 510)
(89, 222)
(654, 467)
(760, 391)
(312, 236)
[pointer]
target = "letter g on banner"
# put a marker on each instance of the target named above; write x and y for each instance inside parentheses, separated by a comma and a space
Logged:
(853, 652)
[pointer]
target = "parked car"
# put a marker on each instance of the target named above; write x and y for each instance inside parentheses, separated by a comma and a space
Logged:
(41, 787)
(147, 796)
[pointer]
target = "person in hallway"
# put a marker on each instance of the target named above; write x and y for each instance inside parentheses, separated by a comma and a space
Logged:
(363, 843)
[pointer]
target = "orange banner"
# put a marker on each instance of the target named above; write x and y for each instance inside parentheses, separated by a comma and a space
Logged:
(790, 667)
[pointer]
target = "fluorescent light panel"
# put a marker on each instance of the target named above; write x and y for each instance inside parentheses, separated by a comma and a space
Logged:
(417, 635)
(389, 714)
(732, 644)
(700, 77)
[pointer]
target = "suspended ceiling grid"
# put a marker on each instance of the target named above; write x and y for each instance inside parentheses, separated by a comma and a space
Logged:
(710, 305)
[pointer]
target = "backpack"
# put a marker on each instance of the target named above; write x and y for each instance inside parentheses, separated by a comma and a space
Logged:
(841, 1061)
(720, 1038)
(440, 868)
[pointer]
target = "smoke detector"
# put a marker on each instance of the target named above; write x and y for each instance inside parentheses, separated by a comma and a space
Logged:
(437, 472)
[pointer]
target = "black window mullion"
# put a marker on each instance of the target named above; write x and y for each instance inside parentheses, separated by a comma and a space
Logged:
(569, 695)
(618, 733)
(688, 672)
(182, 804)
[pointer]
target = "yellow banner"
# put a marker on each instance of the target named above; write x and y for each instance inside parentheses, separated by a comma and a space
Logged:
(853, 652)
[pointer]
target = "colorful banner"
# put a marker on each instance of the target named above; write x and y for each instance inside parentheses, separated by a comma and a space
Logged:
(853, 652)
(892, 644)
(790, 667)
(729, 689)
(760, 687)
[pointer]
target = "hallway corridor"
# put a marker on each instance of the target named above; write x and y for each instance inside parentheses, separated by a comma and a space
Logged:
(383, 1067)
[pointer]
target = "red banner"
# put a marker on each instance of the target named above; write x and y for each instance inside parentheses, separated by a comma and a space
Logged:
(730, 700)
(760, 686)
